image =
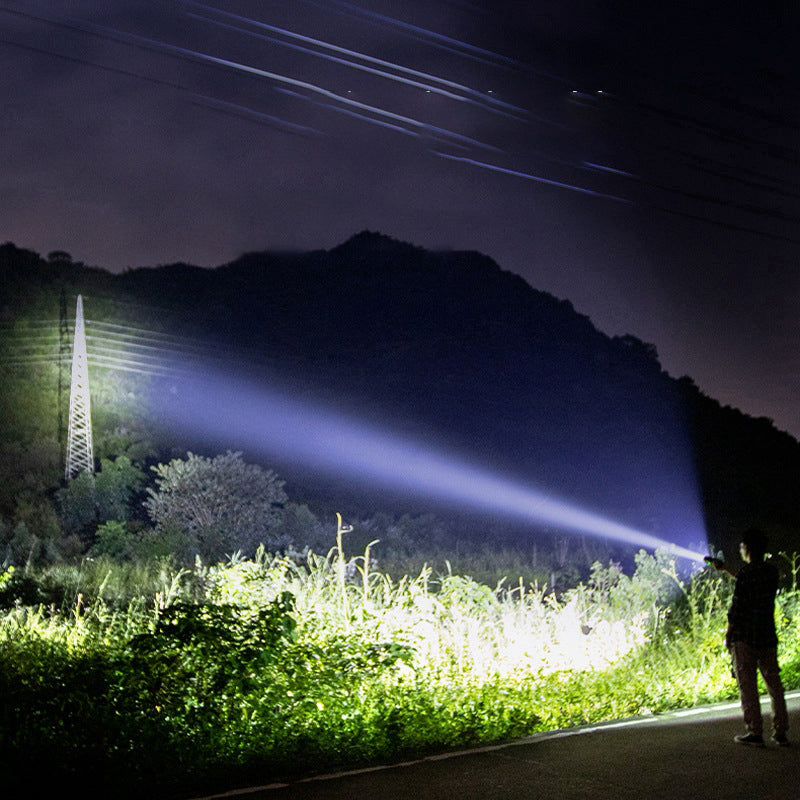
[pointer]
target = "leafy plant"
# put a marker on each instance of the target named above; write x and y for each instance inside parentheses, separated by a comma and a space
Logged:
(220, 505)
(281, 665)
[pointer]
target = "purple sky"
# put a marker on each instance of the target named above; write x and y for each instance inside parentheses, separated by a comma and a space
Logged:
(137, 133)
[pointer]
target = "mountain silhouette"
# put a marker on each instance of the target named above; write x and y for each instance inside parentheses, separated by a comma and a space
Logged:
(461, 356)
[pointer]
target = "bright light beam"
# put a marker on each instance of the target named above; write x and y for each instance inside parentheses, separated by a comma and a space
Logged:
(276, 425)
(230, 411)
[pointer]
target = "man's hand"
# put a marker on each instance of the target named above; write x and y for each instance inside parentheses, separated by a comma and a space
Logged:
(720, 565)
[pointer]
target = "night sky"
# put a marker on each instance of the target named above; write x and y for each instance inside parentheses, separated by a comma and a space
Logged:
(638, 159)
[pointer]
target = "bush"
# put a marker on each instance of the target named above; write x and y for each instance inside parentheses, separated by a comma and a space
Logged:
(92, 499)
(272, 667)
(218, 505)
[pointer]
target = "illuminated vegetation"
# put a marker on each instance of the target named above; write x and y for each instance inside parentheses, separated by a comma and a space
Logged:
(125, 663)
(447, 344)
(149, 675)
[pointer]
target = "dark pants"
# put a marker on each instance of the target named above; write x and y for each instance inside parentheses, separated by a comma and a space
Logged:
(746, 663)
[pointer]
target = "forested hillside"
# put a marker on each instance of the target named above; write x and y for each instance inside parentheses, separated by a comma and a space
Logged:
(445, 348)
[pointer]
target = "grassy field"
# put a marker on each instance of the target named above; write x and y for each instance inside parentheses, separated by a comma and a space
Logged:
(155, 680)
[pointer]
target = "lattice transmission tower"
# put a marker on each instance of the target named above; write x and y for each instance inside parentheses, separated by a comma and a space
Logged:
(64, 360)
(80, 454)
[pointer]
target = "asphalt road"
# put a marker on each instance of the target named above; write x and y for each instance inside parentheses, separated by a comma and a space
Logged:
(681, 755)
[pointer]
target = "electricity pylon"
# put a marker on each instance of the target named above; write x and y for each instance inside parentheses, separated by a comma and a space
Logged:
(63, 360)
(80, 455)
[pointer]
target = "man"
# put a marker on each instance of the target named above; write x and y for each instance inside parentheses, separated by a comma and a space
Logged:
(752, 641)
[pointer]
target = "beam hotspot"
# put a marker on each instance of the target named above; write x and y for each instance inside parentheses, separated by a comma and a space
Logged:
(231, 411)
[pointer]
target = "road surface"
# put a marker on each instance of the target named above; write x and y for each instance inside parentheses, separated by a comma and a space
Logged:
(681, 755)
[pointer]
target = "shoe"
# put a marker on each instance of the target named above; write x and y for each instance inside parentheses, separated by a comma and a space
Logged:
(781, 740)
(753, 739)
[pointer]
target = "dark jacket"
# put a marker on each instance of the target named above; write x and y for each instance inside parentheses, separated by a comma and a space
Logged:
(751, 616)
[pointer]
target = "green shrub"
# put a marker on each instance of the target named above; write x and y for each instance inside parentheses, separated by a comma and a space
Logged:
(160, 679)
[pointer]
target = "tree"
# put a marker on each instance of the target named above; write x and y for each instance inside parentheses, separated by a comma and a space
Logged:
(89, 500)
(116, 484)
(220, 505)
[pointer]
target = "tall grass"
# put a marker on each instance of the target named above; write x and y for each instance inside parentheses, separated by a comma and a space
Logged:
(171, 679)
